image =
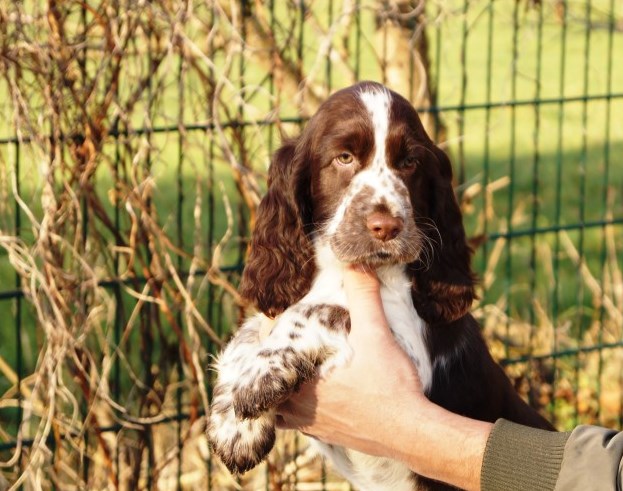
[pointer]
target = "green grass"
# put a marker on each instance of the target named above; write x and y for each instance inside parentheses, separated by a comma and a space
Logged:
(561, 159)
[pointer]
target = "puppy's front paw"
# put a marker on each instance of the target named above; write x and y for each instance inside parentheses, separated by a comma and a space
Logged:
(241, 445)
(274, 375)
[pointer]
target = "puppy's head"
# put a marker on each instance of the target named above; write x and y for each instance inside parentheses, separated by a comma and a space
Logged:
(364, 176)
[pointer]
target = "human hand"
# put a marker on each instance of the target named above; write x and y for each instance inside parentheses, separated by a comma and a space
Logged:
(376, 403)
(334, 409)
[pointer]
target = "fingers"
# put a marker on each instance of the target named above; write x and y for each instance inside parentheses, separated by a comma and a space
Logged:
(280, 423)
(296, 413)
(287, 419)
(266, 327)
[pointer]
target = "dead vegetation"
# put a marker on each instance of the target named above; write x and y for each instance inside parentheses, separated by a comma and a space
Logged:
(138, 138)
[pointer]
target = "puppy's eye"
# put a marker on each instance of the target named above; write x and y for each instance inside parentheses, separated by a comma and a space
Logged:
(408, 163)
(345, 158)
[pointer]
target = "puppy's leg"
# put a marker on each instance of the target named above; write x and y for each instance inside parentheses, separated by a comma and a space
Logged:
(303, 338)
(240, 444)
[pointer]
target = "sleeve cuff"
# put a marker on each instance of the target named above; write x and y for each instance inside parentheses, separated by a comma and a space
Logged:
(519, 458)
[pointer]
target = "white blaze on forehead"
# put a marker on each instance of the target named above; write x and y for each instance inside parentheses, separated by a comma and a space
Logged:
(378, 175)
(377, 102)
(386, 187)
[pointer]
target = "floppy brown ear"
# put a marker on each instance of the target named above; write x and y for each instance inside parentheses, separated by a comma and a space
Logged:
(280, 266)
(443, 282)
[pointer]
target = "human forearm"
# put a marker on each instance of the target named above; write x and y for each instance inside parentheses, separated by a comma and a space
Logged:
(437, 443)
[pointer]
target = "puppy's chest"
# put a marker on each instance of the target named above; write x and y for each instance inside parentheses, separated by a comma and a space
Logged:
(409, 330)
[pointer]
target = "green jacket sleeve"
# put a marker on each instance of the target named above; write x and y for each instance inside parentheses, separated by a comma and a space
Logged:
(518, 458)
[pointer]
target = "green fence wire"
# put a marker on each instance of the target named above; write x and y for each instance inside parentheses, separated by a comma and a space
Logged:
(138, 139)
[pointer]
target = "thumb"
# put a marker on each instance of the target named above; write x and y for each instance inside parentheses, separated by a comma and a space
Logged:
(361, 283)
(363, 294)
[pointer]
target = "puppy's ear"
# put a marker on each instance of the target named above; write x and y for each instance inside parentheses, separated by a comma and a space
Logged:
(443, 282)
(280, 265)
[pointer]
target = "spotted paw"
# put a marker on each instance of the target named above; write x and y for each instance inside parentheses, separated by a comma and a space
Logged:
(274, 375)
(241, 445)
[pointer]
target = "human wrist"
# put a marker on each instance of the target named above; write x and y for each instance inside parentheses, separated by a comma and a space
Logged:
(439, 444)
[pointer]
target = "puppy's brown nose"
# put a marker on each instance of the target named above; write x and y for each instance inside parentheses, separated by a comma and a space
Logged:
(383, 226)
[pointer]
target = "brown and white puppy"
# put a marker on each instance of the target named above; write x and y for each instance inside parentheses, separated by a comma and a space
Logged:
(362, 184)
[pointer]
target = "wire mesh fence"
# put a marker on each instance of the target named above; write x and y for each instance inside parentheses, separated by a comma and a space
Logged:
(134, 143)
